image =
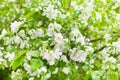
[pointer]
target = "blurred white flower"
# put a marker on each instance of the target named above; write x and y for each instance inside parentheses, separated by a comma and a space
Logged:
(78, 55)
(111, 59)
(57, 53)
(81, 39)
(48, 75)
(15, 26)
(17, 39)
(43, 69)
(89, 49)
(52, 27)
(10, 56)
(28, 56)
(31, 78)
(64, 59)
(27, 67)
(55, 71)
(96, 75)
(51, 55)
(58, 38)
(50, 12)
(36, 33)
(66, 70)
(22, 33)
(118, 66)
(57, 26)
(75, 32)
(17, 75)
(107, 37)
(117, 46)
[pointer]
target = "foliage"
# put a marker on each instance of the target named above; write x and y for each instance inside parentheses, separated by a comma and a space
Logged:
(59, 39)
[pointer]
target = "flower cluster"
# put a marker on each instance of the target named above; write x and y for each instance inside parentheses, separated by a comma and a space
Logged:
(60, 39)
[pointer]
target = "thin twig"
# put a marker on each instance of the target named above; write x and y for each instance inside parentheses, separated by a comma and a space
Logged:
(96, 39)
(99, 49)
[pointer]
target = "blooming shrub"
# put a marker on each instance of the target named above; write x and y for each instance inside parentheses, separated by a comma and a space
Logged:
(59, 40)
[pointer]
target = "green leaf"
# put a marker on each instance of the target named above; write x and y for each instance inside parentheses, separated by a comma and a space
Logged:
(34, 53)
(68, 46)
(18, 60)
(88, 75)
(29, 15)
(36, 64)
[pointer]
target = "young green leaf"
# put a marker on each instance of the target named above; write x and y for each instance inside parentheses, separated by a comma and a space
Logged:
(18, 60)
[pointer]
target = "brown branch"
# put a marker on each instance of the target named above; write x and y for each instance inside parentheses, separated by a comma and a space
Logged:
(81, 71)
(96, 39)
(99, 49)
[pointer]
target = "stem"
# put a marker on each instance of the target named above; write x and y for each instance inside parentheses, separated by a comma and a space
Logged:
(99, 49)
(96, 39)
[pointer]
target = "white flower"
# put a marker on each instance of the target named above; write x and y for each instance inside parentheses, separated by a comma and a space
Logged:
(8, 40)
(75, 32)
(76, 67)
(111, 59)
(96, 75)
(66, 70)
(107, 37)
(31, 78)
(63, 16)
(104, 53)
(117, 46)
(58, 38)
(48, 75)
(15, 26)
(118, 17)
(78, 55)
(52, 27)
(57, 26)
(44, 53)
(55, 71)
(3, 33)
(36, 73)
(17, 39)
(10, 56)
(22, 33)
(118, 66)
(98, 16)
(43, 69)
(39, 32)
(24, 44)
(51, 55)
(57, 53)
(17, 75)
(28, 56)
(77, 36)
(64, 58)
(11, 0)
(89, 49)
(50, 30)
(74, 5)
(27, 67)
(36, 33)
(92, 61)
(50, 12)
(104, 1)
(81, 39)
(51, 59)
(52, 62)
